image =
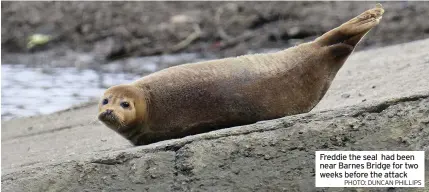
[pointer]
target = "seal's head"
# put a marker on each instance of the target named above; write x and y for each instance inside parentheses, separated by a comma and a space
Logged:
(122, 107)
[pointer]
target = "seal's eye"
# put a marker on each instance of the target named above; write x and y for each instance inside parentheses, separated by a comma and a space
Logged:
(105, 101)
(125, 104)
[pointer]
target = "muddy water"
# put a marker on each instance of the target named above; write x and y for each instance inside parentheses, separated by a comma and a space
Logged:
(34, 91)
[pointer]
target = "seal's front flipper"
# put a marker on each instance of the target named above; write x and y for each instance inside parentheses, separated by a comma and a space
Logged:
(352, 31)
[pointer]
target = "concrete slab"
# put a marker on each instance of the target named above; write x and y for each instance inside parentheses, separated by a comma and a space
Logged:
(71, 151)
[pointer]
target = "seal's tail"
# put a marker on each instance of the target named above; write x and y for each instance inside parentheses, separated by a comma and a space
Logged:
(352, 31)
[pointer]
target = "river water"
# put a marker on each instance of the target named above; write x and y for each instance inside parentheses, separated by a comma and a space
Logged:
(35, 91)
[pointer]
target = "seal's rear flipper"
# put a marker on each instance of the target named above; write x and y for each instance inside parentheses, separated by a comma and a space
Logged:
(351, 32)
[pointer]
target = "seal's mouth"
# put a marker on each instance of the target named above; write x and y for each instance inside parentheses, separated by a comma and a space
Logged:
(109, 118)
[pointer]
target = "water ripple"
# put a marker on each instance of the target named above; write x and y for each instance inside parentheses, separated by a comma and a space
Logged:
(35, 91)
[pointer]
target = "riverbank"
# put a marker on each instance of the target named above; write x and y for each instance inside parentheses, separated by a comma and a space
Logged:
(88, 34)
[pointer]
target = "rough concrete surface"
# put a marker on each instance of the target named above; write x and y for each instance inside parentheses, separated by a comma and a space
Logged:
(378, 101)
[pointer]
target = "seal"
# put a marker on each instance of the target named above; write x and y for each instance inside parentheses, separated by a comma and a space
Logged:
(200, 97)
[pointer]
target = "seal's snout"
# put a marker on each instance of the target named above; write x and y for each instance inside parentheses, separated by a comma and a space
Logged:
(107, 116)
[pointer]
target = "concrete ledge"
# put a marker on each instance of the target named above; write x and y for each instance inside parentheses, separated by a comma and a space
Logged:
(275, 155)
(71, 151)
